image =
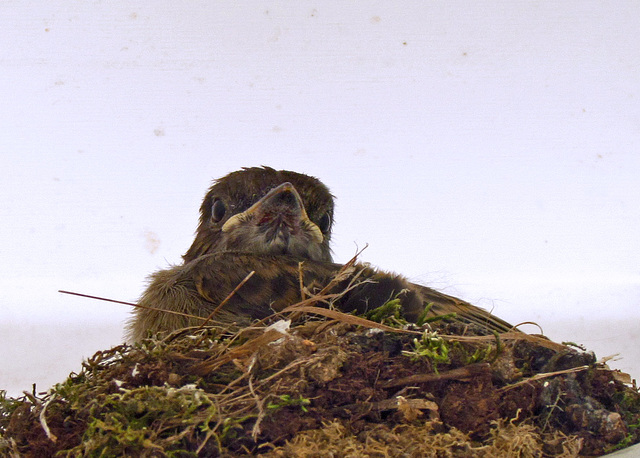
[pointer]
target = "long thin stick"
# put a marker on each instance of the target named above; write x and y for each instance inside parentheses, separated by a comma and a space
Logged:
(226, 299)
(97, 297)
(471, 370)
(133, 304)
(43, 419)
(172, 312)
(229, 296)
(301, 281)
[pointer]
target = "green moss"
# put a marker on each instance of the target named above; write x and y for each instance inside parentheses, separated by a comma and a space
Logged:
(389, 313)
(145, 419)
(424, 317)
(430, 346)
(7, 406)
(286, 400)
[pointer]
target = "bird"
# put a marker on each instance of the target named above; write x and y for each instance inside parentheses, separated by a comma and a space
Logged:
(263, 239)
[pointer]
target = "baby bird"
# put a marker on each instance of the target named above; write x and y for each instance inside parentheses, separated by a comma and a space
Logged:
(277, 224)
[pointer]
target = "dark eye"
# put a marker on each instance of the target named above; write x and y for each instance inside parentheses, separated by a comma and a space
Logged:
(324, 223)
(218, 210)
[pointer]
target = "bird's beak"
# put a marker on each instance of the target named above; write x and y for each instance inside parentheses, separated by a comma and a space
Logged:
(283, 201)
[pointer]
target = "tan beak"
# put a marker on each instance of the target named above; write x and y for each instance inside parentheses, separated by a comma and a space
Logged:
(283, 196)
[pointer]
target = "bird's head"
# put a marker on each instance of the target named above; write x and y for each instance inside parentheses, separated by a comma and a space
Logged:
(260, 210)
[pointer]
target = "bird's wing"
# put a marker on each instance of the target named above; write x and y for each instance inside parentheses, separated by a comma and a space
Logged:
(443, 304)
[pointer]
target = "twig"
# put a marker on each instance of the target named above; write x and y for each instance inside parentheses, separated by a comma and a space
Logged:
(339, 276)
(226, 299)
(471, 370)
(255, 432)
(242, 351)
(300, 281)
(393, 403)
(290, 366)
(345, 317)
(221, 304)
(533, 323)
(43, 419)
(542, 376)
(552, 407)
(172, 312)
(511, 335)
(212, 431)
(326, 297)
(133, 304)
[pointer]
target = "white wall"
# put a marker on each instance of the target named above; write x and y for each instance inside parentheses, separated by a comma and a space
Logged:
(489, 149)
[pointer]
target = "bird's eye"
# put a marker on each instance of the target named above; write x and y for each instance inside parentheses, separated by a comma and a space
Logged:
(324, 223)
(218, 210)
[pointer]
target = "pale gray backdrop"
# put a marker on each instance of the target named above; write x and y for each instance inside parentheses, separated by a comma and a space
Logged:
(488, 149)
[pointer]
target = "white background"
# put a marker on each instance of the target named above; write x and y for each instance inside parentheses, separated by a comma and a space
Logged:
(488, 149)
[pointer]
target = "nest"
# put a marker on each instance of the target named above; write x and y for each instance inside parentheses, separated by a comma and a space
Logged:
(317, 382)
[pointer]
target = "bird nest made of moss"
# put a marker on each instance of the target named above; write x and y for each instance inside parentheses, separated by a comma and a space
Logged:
(317, 382)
